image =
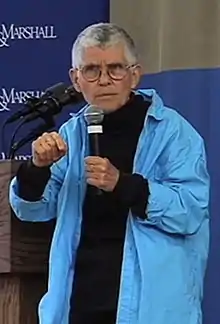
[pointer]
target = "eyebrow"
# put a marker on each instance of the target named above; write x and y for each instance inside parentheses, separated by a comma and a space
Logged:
(110, 63)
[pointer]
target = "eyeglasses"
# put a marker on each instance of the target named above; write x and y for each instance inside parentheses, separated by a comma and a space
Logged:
(116, 71)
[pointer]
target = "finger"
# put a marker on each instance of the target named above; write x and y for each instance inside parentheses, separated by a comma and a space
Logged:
(92, 175)
(96, 163)
(95, 183)
(54, 139)
(48, 139)
(59, 142)
(49, 145)
(97, 168)
(94, 160)
(43, 151)
(46, 151)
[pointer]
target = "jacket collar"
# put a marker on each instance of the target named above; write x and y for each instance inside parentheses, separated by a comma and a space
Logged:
(156, 109)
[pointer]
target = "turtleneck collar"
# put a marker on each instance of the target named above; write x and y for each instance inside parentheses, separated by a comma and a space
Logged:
(128, 117)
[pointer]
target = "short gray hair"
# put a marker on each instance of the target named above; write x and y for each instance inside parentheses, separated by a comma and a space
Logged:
(103, 35)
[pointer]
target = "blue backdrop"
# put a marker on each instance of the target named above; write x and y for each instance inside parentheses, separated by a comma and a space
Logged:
(35, 45)
(195, 94)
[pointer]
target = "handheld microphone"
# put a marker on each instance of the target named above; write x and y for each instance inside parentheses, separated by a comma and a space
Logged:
(94, 117)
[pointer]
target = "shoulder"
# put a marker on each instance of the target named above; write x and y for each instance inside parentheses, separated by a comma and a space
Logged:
(171, 129)
(169, 122)
(73, 126)
(180, 128)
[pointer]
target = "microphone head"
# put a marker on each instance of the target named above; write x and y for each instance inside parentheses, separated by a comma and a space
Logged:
(93, 115)
(55, 89)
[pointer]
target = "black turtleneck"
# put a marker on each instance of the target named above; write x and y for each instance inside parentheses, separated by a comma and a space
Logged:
(98, 262)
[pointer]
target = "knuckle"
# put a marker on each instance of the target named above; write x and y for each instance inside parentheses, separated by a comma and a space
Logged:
(55, 135)
(38, 140)
(34, 144)
(106, 165)
(102, 183)
(102, 179)
(37, 148)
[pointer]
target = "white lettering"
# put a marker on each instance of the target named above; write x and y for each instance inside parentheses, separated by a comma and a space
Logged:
(25, 33)
(2, 156)
(20, 157)
(13, 32)
(13, 97)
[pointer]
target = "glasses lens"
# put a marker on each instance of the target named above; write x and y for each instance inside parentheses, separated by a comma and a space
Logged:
(91, 72)
(117, 71)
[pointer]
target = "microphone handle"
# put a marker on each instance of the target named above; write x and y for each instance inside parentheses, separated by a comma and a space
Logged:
(94, 144)
(94, 133)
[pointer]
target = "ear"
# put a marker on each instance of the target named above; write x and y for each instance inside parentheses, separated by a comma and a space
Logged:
(73, 74)
(136, 73)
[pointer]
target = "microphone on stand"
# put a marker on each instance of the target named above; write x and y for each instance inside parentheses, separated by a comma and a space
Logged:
(94, 117)
(49, 104)
(46, 107)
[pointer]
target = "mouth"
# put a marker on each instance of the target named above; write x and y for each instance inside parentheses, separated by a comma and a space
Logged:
(106, 95)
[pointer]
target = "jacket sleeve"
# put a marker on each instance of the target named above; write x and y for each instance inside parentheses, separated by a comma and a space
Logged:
(179, 194)
(45, 207)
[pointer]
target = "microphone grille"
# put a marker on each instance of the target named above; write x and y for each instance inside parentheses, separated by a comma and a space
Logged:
(93, 115)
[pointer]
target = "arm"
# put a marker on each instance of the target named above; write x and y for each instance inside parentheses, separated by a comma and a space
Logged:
(132, 191)
(176, 198)
(178, 201)
(179, 198)
(35, 199)
(32, 181)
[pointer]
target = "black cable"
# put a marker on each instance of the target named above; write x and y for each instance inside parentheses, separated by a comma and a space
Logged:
(3, 139)
(11, 151)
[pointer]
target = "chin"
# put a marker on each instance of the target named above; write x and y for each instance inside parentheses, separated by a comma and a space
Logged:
(108, 105)
(110, 108)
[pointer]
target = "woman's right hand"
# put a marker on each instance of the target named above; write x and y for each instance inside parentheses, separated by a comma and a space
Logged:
(47, 149)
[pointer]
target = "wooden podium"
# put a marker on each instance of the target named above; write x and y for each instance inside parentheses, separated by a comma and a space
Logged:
(24, 251)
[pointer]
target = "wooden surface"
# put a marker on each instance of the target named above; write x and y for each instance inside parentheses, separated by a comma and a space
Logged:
(24, 251)
(5, 217)
(24, 246)
(19, 298)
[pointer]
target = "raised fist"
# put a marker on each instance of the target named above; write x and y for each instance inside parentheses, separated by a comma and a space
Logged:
(47, 149)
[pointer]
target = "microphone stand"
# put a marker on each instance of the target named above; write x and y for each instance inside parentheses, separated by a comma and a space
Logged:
(48, 124)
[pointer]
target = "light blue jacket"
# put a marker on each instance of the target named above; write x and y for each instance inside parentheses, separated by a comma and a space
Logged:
(164, 256)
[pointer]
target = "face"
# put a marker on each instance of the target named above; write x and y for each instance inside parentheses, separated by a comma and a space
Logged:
(106, 91)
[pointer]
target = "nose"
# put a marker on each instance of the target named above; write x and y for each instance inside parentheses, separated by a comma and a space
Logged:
(104, 78)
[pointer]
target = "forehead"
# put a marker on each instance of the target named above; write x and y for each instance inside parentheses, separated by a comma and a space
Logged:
(115, 53)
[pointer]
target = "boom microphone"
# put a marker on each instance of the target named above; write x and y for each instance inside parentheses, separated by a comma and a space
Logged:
(49, 104)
